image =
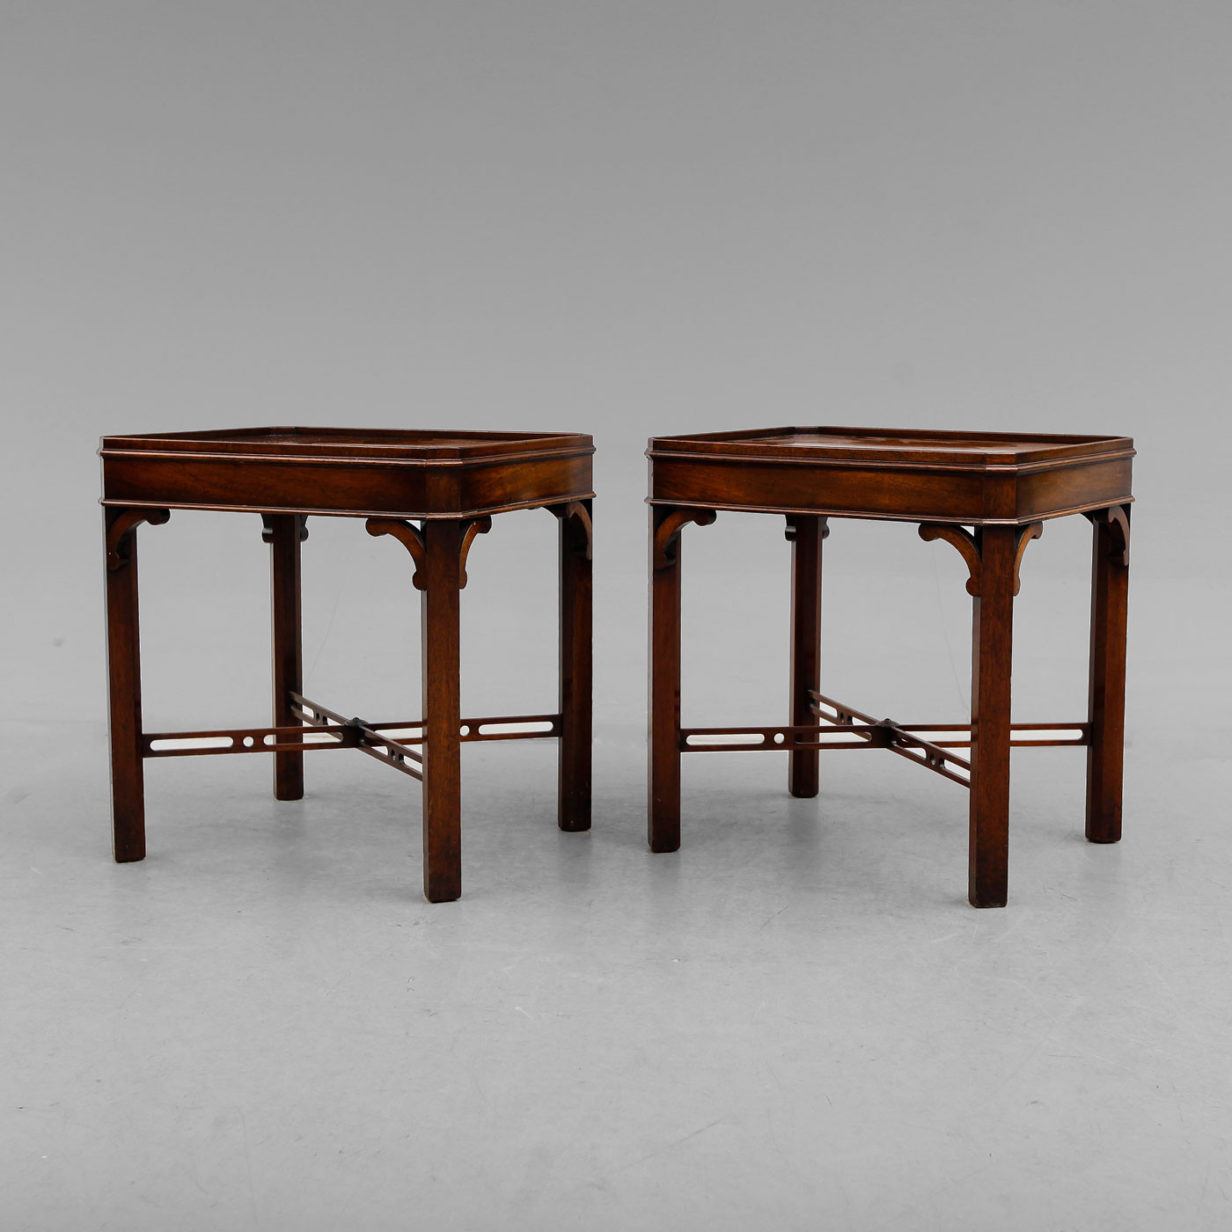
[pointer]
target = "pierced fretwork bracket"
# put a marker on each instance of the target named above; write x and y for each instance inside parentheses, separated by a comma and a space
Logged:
(479, 526)
(407, 534)
(965, 542)
(1116, 519)
(971, 548)
(1032, 531)
(267, 520)
(579, 510)
(411, 538)
(120, 528)
(667, 533)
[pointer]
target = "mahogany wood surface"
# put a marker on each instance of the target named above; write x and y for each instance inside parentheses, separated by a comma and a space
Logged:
(986, 494)
(664, 736)
(1106, 711)
(965, 478)
(576, 672)
(664, 742)
(124, 681)
(284, 533)
(353, 472)
(992, 645)
(451, 483)
(805, 535)
(442, 708)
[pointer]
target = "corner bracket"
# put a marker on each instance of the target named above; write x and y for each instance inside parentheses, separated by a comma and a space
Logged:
(667, 533)
(579, 510)
(120, 530)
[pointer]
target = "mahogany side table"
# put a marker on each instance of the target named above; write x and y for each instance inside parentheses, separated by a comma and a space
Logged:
(988, 495)
(450, 483)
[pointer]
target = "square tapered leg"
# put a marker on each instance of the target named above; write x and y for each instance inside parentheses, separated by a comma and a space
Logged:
(576, 672)
(124, 691)
(442, 764)
(991, 667)
(806, 535)
(664, 743)
(1106, 714)
(283, 532)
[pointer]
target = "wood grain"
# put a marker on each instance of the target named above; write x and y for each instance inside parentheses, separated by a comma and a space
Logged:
(988, 495)
(124, 680)
(442, 764)
(348, 472)
(991, 669)
(576, 670)
(449, 481)
(1106, 705)
(666, 524)
(973, 479)
(284, 533)
(805, 535)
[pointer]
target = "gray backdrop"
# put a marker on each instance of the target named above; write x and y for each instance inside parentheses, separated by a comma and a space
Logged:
(622, 219)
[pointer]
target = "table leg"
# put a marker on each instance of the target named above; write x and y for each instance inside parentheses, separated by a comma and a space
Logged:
(124, 679)
(284, 532)
(124, 697)
(664, 743)
(1109, 608)
(991, 663)
(573, 804)
(442, 764)
(805, 533)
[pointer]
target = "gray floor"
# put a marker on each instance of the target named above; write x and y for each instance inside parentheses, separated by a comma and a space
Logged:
(796, 1019)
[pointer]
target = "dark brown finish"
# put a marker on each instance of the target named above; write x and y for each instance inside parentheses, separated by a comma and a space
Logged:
(411, 538)
(124, 679)
(576, 602)
(451, 483)
(805, 535)
(841, 733)
(284, 533)
(476, 526)
(992, 639)
(664, 744)
(837, 731)
(964, 541)
(357, 734)
(1025, 534)
(957, 477)
(442, 710)
(987, 494)
(875, 735)
(1109, 611)
(352, 472)
(339, 732)
(994, 556)
(548, 727)
(224, 740)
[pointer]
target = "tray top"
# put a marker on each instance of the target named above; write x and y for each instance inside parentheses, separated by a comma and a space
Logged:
(897, 446)
(968, 478)
(350, 472)
(393, 444)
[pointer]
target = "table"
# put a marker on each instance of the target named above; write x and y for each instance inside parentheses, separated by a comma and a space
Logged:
(432, 491)
(988, 495)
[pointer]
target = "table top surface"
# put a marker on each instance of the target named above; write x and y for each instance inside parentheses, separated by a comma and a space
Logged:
(387, 444)
(351, 472)
(894, 446)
